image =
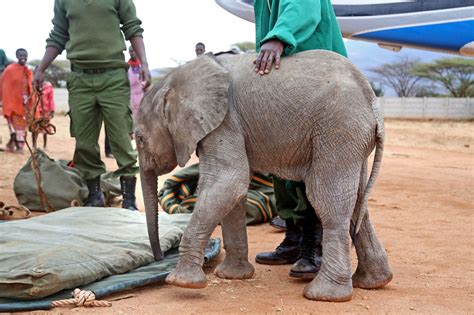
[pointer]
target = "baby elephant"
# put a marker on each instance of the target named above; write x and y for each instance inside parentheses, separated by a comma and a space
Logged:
(316, 120)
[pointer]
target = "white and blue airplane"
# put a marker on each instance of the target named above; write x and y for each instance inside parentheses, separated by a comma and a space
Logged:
(436, 25)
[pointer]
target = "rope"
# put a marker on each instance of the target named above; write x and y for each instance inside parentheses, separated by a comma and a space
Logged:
(81, 298)
(35, 126)
(9, 211)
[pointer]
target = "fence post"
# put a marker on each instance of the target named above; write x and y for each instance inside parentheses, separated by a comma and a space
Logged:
(447, 107)
(404, 114)
(468, 107)
(424, 107)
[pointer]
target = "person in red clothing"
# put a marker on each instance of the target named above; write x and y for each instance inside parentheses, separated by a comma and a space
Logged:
(49, 107)
(16, 91)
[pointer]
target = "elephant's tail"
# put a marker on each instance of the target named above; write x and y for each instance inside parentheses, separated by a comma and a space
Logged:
(379, 145)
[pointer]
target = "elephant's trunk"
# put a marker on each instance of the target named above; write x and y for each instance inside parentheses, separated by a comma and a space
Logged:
(150, 196)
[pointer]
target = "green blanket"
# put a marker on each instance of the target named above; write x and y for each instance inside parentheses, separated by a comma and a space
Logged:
(178, 195)
(75, 247)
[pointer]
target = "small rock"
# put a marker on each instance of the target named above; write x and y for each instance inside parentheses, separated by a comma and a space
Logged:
(412, 308)
(364, 298)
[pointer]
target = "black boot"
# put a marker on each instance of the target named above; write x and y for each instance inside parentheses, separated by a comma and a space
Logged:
(128, 185)
(287, 252)
(96, 197)
(309, 261)
(278, 223)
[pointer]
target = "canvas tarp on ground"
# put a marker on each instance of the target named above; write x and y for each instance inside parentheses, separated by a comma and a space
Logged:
(77, 246)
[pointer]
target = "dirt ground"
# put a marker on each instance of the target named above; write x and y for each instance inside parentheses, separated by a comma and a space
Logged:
(422, 208)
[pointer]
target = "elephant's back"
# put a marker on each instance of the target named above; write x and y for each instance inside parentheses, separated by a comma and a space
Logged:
(313, 93)
(316, 80)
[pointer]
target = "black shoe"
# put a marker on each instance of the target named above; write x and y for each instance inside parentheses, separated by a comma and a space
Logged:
(309, 261)
(96, 197)
(278, 223)
(287, 252)
(128, 184)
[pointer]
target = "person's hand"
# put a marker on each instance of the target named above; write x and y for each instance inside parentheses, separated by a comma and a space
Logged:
(270, 52)
(145, 77)
(38, 80)
(51, 115)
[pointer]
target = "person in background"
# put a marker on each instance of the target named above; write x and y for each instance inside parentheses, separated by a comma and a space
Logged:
(16, 92)
(200, 49)
(136, 86)
(49, 108)
(283, 28)
(93, 33)
(136, 91)
(4, 62)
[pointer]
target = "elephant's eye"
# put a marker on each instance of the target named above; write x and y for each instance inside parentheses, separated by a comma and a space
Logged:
(140, 140)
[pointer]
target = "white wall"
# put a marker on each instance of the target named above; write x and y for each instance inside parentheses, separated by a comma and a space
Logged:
(427, 108)
(392, 107)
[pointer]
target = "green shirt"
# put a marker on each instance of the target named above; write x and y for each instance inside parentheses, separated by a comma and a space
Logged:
(300, 24)
(92, 32)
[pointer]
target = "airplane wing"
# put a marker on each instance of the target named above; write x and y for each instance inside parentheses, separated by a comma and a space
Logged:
(441, 25)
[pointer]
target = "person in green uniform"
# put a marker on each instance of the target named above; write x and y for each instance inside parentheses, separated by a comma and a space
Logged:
(92, 33)
(4, 62)
(283, 28)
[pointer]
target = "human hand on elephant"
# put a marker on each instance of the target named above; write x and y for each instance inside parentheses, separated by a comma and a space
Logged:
(145, 77)
(270, 52)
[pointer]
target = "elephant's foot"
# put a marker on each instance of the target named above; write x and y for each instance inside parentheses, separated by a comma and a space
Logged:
(377, 276)
(321, 289)
(234, 269)
(187, 276)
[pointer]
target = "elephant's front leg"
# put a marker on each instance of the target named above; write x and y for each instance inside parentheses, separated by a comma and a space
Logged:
(236, 264)
(222, 186)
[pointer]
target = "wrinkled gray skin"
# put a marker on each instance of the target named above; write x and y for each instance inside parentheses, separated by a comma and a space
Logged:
(316, 120)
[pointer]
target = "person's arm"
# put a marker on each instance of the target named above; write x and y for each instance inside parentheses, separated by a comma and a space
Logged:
(50, 54)
(132, 30)
(55, 43)
(296, 22)
(139, 48)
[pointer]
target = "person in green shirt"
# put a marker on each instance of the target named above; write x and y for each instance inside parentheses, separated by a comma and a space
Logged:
(283, 28)
(92, 33)
(3, 61)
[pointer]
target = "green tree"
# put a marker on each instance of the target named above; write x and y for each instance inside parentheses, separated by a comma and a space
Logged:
(399, 76)
(245, 46)
(56, 73)
(378, 90)
(454, 74)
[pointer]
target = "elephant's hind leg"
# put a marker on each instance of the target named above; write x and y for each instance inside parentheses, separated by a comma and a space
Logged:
(236, 264)
(372, 270)
(333, 195)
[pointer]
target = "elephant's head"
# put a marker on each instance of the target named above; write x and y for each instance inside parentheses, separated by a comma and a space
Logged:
(174, 116)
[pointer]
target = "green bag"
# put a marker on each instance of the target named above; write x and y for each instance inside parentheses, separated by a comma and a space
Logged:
(61, 184)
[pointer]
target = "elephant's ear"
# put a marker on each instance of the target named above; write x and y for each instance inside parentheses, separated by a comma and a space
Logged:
(195, 103)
